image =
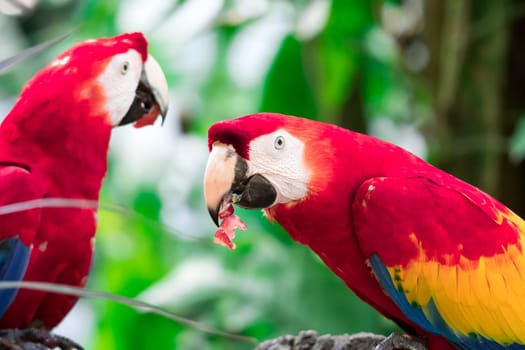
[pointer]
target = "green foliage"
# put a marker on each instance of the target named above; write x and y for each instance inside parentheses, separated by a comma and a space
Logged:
(341, 53)
(287, 89)
(517, 142)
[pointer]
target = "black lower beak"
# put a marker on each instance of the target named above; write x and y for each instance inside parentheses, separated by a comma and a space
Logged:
(142, 104)
(256, 193)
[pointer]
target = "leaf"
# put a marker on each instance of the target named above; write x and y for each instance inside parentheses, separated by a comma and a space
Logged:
(340, 54)
(517, 142)
(12, 61)
(286, 89)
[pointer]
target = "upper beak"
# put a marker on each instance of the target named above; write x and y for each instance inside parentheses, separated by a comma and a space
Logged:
(226, 181)
(151, 96)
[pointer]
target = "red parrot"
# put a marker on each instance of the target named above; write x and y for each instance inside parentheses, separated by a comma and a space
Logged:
(54, 144)
(438, 256)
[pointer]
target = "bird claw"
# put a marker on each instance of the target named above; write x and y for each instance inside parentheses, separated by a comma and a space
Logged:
(401, 342)
(34, 339)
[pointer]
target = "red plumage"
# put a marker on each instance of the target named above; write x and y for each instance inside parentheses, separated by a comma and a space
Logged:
(59, 132)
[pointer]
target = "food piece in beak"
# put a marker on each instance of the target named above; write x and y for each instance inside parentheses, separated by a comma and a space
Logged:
(229, 222)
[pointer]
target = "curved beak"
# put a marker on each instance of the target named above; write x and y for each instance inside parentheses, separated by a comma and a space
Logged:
(226, 181)
(151, 96)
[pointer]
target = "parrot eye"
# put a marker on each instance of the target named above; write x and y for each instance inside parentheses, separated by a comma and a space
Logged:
(124, 68)
(279, 142)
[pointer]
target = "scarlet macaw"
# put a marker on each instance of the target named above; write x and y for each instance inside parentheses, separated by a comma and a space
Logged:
(438, 256)
(54, 144)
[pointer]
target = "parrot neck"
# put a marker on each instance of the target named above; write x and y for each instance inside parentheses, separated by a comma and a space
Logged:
(68, 150)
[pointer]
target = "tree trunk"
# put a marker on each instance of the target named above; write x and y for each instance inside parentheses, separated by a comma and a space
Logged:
(468, 42)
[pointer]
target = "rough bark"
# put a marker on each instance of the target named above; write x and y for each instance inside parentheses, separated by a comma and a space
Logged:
(310, 340)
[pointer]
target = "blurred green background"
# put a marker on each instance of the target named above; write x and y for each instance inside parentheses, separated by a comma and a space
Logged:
(442, 78)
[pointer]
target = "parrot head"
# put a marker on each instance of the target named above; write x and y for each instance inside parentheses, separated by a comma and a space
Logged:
(114, 78)
(260, 161)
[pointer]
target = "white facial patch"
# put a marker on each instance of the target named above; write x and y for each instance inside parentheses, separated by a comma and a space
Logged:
(119, 81)
(279, 157)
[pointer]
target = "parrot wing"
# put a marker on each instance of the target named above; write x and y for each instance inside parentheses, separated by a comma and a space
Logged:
(17, 229)
(450, 256)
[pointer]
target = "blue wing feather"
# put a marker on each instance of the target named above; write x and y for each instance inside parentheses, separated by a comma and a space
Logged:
(17, 230)
(14, 257)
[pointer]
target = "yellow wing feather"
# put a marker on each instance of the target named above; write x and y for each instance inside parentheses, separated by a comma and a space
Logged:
(486, 297)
